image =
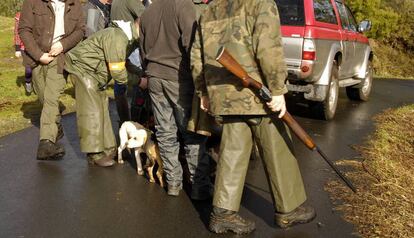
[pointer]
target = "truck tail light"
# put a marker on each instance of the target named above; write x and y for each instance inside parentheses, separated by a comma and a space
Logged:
(308, 50)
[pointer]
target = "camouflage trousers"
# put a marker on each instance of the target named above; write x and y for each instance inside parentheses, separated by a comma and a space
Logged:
(48, 85)
(92, 115)
(275, 148)
(171, 104)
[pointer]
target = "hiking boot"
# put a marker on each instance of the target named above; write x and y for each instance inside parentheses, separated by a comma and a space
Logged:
(223, 220)
(60, 133)
(48, 150)
(302, 214)
(101, 159)
(174, 190)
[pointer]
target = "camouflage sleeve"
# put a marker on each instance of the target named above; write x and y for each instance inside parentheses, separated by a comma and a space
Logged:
(115, 50)
(197, 65)
(267, 43)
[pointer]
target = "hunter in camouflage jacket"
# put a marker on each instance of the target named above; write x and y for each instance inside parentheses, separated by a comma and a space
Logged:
(247, 35)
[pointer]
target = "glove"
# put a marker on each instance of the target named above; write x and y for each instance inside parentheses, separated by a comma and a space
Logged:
(18, 54)
(278, 104)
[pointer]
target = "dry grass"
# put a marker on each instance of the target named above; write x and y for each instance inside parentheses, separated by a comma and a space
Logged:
(392, 62)
(384, 204)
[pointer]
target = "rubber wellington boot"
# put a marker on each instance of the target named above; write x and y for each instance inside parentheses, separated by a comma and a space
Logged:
(302, 214)
(101, 159)
(123, 108)
(223, 220)
(48, 150)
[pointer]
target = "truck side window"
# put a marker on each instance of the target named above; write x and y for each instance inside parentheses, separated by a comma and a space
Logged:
(324, 11)
(342, 15)
(291, 12)
(351, 19)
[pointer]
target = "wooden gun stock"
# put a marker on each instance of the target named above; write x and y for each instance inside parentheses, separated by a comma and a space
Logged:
(227, 60)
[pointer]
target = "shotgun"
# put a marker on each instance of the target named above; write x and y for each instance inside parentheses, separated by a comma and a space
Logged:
(227, 60)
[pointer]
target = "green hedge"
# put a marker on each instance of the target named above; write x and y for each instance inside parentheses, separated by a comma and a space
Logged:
(392, 20)
(8, 8)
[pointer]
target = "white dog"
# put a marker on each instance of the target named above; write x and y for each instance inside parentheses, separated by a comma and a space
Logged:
(135, 136)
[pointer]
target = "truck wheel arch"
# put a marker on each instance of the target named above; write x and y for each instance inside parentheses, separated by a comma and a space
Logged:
(335, 53)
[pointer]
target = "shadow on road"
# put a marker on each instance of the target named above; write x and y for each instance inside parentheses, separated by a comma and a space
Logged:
(32, 110)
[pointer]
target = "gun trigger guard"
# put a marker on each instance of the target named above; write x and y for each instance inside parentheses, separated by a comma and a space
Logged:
(265, 94)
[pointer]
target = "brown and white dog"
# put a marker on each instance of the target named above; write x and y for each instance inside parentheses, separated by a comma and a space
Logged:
(135, 136)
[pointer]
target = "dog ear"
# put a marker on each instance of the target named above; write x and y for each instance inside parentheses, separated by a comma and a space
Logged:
(138, 139)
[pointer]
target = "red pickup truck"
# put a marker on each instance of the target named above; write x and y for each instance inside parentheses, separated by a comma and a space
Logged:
(325, 50)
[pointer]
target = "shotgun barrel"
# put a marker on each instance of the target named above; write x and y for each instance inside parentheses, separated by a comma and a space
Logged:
(227, 60)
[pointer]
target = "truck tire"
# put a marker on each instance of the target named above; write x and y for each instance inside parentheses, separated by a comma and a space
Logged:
(361, 91)
(327, 108)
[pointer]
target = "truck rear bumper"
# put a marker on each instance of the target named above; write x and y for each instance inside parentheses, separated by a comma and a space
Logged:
(312, 92)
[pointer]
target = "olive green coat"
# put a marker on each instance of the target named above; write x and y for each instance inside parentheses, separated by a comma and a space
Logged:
(250, 31)
(91, 65)
(95, 55)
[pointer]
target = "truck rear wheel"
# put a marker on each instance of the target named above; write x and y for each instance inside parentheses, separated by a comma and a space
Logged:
(327, 108)
(361, 91)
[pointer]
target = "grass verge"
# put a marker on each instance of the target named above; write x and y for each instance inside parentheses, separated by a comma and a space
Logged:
(384, 204)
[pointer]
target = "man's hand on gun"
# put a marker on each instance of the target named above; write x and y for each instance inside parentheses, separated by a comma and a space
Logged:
(278, 104)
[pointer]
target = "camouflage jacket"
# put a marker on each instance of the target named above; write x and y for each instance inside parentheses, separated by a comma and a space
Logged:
(200, 6)
(250, 30)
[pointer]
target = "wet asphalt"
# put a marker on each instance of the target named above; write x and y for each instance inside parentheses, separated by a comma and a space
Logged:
(69, 198)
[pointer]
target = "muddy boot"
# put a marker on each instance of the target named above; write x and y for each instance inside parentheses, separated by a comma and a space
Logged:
(123, 108)
(48, 150)
(302, 214)
(111, 152)
(223, 220)
(101, 159)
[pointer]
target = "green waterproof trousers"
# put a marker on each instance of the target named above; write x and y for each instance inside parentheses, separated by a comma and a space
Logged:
(275, 147)
(49, 86)
(92, 115)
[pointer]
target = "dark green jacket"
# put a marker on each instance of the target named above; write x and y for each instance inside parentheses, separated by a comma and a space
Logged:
(126, 10)
(103, 55)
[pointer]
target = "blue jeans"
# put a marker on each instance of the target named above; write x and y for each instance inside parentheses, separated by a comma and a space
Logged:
(171, 104)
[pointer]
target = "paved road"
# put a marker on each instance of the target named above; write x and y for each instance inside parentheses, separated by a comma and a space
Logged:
(71, 199)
